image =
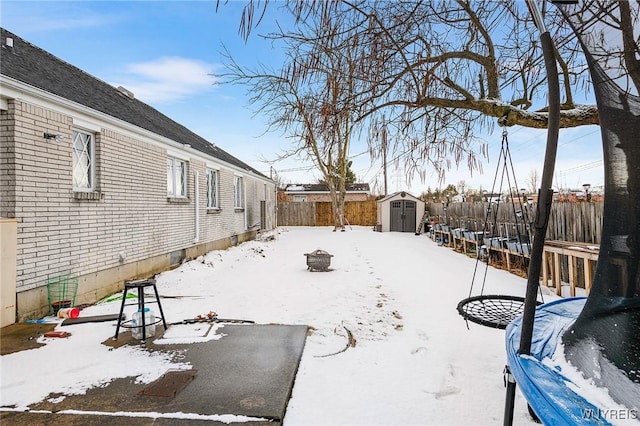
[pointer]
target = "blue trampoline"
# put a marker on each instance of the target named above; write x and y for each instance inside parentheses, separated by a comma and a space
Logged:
(600, 334)
(547, 390)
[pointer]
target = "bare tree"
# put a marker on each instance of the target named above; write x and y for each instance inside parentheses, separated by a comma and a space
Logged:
(533, 179)
(440, 71)
(311, 99)
(462, 187)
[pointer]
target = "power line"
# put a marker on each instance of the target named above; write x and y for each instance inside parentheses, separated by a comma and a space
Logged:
(296, 169)
(582, 167)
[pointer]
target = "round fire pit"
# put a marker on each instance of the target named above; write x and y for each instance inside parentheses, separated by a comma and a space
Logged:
(318, 260)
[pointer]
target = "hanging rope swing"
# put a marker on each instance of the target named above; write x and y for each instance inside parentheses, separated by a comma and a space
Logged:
(497, 311)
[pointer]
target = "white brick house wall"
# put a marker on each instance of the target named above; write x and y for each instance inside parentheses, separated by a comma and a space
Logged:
(129, 222)
(124, 225)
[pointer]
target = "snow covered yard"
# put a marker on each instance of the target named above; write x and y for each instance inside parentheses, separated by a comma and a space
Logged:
(414, 361)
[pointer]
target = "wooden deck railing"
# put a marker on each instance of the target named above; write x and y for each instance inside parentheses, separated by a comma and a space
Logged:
(570, 263)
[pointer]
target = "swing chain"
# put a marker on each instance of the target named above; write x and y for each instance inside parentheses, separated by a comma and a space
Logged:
(503, 123)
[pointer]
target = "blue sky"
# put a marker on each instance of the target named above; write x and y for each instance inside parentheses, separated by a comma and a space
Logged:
(166, 51)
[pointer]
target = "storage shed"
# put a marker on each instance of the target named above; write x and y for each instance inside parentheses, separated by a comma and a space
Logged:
(400, 212)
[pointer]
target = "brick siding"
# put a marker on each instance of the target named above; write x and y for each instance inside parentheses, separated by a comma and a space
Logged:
(130, 218)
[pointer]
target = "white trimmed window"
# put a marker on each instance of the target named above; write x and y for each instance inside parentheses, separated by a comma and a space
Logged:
(238, 192)
(83, 161)
(212, 189)
(176, 178)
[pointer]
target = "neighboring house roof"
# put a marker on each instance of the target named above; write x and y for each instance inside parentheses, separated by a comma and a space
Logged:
(323, 188)
(38, 68)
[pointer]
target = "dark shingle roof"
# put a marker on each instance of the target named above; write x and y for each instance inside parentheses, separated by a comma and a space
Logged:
(36, 67)
(322, 187)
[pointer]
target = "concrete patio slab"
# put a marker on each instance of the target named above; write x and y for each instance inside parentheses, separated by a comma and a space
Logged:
(248, 372)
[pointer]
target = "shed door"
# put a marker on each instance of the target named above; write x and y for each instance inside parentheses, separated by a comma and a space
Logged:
(409, 216)
(403, 216)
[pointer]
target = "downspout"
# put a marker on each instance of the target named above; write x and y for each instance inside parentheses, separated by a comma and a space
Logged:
(274, 221)
(244, 204)
(196, 224)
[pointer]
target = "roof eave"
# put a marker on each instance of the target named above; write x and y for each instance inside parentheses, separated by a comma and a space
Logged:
(16, 89)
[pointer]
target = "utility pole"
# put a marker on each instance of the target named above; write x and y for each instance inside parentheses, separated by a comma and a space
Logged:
(384, 154)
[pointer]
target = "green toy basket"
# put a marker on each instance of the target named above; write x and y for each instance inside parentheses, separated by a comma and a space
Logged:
(62, 292)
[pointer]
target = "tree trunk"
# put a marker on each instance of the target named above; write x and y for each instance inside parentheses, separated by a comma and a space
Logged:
(337, 202)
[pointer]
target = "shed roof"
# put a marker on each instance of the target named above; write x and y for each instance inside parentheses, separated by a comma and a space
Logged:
(399, 193)
(36, 67)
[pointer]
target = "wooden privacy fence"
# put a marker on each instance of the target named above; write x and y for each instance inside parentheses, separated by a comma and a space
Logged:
(579, 222)
(292, 213)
